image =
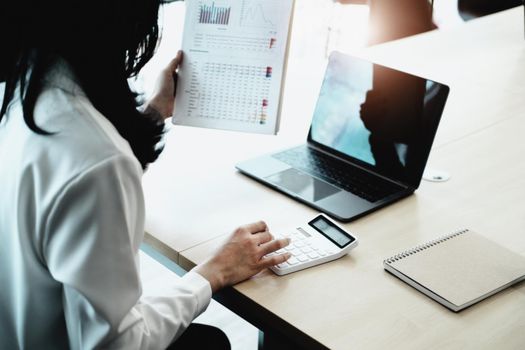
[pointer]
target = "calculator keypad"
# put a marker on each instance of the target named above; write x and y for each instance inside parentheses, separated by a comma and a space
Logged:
(303, 249)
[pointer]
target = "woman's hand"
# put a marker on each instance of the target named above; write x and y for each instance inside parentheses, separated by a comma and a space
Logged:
(243, 256)
(163, 97)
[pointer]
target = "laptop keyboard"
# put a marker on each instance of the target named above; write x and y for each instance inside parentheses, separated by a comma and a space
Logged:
(349, 178)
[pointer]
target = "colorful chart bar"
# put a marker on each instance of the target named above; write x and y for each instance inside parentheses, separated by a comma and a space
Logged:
(268, 72)
(263, 116)
(214, 15)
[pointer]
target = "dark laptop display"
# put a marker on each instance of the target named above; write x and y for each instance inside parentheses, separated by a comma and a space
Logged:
(382, 119)
(369, 140)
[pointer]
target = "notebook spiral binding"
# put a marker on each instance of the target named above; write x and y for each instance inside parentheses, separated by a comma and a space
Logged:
(424, 246)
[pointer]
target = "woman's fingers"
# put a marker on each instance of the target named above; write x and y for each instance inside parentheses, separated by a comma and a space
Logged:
(262, 237)
(274, 245)
(243, 255)
(274, 260)
(259, 226)
(175, 63)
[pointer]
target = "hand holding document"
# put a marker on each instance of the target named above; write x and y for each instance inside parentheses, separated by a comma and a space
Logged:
(232, 76)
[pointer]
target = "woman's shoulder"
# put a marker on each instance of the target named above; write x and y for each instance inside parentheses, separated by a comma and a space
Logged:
(81, 135)
(81, 139)
(78, 130)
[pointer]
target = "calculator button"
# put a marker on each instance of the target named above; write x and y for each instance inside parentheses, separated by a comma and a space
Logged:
(313, 255)
(279, 251)
(299, 244)
(321, 252)
(295, 251)
(302, 258)
(282, 265)
(292, 261)
(306, 250)
(289, 248)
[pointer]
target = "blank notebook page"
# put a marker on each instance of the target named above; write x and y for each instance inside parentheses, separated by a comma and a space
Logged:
(463, 268)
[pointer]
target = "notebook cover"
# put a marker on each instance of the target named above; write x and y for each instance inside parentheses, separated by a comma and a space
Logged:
(462, 268)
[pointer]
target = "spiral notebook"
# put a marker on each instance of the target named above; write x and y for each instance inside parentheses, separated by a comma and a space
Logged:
(458, 270)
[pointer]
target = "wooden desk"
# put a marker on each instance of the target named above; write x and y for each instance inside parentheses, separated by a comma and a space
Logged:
(353, 301)
(194, 197)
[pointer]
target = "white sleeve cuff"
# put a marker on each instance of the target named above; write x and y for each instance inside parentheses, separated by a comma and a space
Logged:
(201, 287)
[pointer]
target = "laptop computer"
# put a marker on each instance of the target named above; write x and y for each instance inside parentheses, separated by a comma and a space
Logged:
(368, 144)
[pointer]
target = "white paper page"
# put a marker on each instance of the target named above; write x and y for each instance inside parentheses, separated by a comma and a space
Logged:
(234, 56)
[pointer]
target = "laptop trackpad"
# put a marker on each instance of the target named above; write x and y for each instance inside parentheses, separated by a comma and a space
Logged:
(302, 184)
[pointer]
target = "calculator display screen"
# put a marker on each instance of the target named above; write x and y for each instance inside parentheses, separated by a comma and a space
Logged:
(332, 232)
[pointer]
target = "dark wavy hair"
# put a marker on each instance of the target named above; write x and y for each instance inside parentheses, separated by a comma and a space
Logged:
(104, 41)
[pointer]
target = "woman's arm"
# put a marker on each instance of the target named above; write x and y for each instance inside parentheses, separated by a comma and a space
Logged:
(93, 233)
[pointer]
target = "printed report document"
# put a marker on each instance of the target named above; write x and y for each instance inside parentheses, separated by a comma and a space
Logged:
(232, 74)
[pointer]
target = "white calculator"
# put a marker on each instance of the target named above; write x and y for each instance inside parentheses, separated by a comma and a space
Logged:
(319, 241)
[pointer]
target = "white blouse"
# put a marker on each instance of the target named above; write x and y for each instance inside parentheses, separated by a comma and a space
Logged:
(71, 222)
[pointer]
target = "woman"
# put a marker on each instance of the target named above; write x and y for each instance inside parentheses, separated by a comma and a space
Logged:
(73, 146)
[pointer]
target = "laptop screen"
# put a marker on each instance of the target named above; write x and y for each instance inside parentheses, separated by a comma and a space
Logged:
(383, 119)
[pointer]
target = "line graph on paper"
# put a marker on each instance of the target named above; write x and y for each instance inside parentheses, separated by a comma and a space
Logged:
(260, 14)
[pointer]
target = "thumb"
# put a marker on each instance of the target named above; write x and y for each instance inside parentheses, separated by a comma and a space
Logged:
(174, 63)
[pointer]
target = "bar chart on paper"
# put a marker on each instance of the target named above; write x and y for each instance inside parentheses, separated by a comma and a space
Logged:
(214, 14)
(233, 69)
